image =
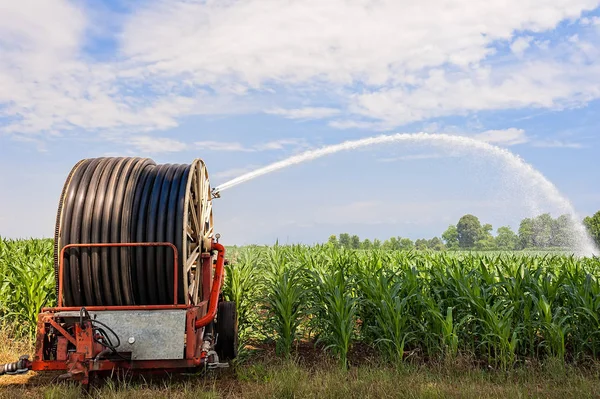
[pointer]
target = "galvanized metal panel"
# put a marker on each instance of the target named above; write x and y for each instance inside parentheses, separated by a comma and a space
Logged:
(148, 335)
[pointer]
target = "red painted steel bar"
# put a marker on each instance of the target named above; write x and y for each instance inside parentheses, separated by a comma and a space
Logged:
(110, 365)
(112, 245)
(102, 308)
(216, 288)
(61, 330)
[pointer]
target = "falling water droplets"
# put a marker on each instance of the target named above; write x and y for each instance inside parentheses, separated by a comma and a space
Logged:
(516, 171)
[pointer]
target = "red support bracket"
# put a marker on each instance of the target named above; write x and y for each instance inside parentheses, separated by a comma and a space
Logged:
(216, 287)
(61, 330)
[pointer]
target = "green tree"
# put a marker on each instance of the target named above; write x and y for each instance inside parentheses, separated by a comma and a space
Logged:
(542, 231)
(333, 241)
(366, 244)
(376, 243)
(391, 244)
(355, 242)
(450, 236)
(405, 244)
(345, 240)
(421, 244)
(562, 232)
(593, 227)
(506, 239)
(436, 244)
(486, 231)
(486, 244)
(486, 239)
(469, 230)
(526, 234)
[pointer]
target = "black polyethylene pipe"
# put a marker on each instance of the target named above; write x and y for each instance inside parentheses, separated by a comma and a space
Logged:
(110, 200)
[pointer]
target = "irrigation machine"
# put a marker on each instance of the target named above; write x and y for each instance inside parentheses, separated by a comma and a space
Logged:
(138, 274)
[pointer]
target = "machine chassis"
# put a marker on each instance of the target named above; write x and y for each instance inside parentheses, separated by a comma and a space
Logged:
(81, 346)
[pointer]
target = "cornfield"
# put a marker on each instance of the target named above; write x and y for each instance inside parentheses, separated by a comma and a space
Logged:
(26, 282)
(499, 309)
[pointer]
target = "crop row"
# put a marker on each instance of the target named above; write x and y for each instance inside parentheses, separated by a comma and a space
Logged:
(26, 282)
(500, 308)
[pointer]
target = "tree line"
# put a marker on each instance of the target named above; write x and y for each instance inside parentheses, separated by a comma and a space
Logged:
(541, 232)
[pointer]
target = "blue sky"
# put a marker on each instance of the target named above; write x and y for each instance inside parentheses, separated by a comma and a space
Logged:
(242, 84)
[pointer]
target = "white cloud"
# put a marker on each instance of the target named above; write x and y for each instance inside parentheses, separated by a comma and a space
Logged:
(221, 146)
(50, 86)
(391, 62)
(407, 73)
(354, 124)
(153, 145)
(305, 113)
(520, 44)
(557, 144)
(280, 144)
(593, 21)
(26, 26)
(542, 44)
(376, 41)
(507, 137)
(537, 84)
(235, 146)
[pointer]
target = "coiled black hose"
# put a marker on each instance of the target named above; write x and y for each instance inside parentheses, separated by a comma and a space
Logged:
(18, 367)
(119, 200)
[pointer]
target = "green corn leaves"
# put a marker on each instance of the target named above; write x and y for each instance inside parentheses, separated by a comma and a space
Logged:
(335, 302)
(501, 308)
(283, 286)
(26, 282)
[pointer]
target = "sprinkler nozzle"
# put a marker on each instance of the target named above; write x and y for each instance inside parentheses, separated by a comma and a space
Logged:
(215, 193)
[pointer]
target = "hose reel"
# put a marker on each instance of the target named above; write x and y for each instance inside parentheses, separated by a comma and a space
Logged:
(124, 200)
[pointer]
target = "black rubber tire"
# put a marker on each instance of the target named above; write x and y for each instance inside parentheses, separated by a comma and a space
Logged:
(227, 331)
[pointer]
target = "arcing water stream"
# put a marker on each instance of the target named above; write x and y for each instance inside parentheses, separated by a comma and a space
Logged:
(520, 171)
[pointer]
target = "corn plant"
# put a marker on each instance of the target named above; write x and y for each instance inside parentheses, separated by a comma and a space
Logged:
(389, 296)
(283, 285)
(240, 287)
(445, 328)
(499, 337)
(335, 304)
(555, 327)
(26, 282)
(582, 297)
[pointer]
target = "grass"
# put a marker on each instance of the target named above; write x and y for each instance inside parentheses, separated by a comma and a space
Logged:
(306, 374)
(10, 347)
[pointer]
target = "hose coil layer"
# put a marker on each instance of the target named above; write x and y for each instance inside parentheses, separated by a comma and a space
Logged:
(124, 200)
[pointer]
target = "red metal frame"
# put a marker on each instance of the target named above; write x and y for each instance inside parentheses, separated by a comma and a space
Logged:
(81, 362)
(216, 288)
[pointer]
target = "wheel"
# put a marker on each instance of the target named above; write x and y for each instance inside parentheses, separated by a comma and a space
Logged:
(227, 331)
(197, 230)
